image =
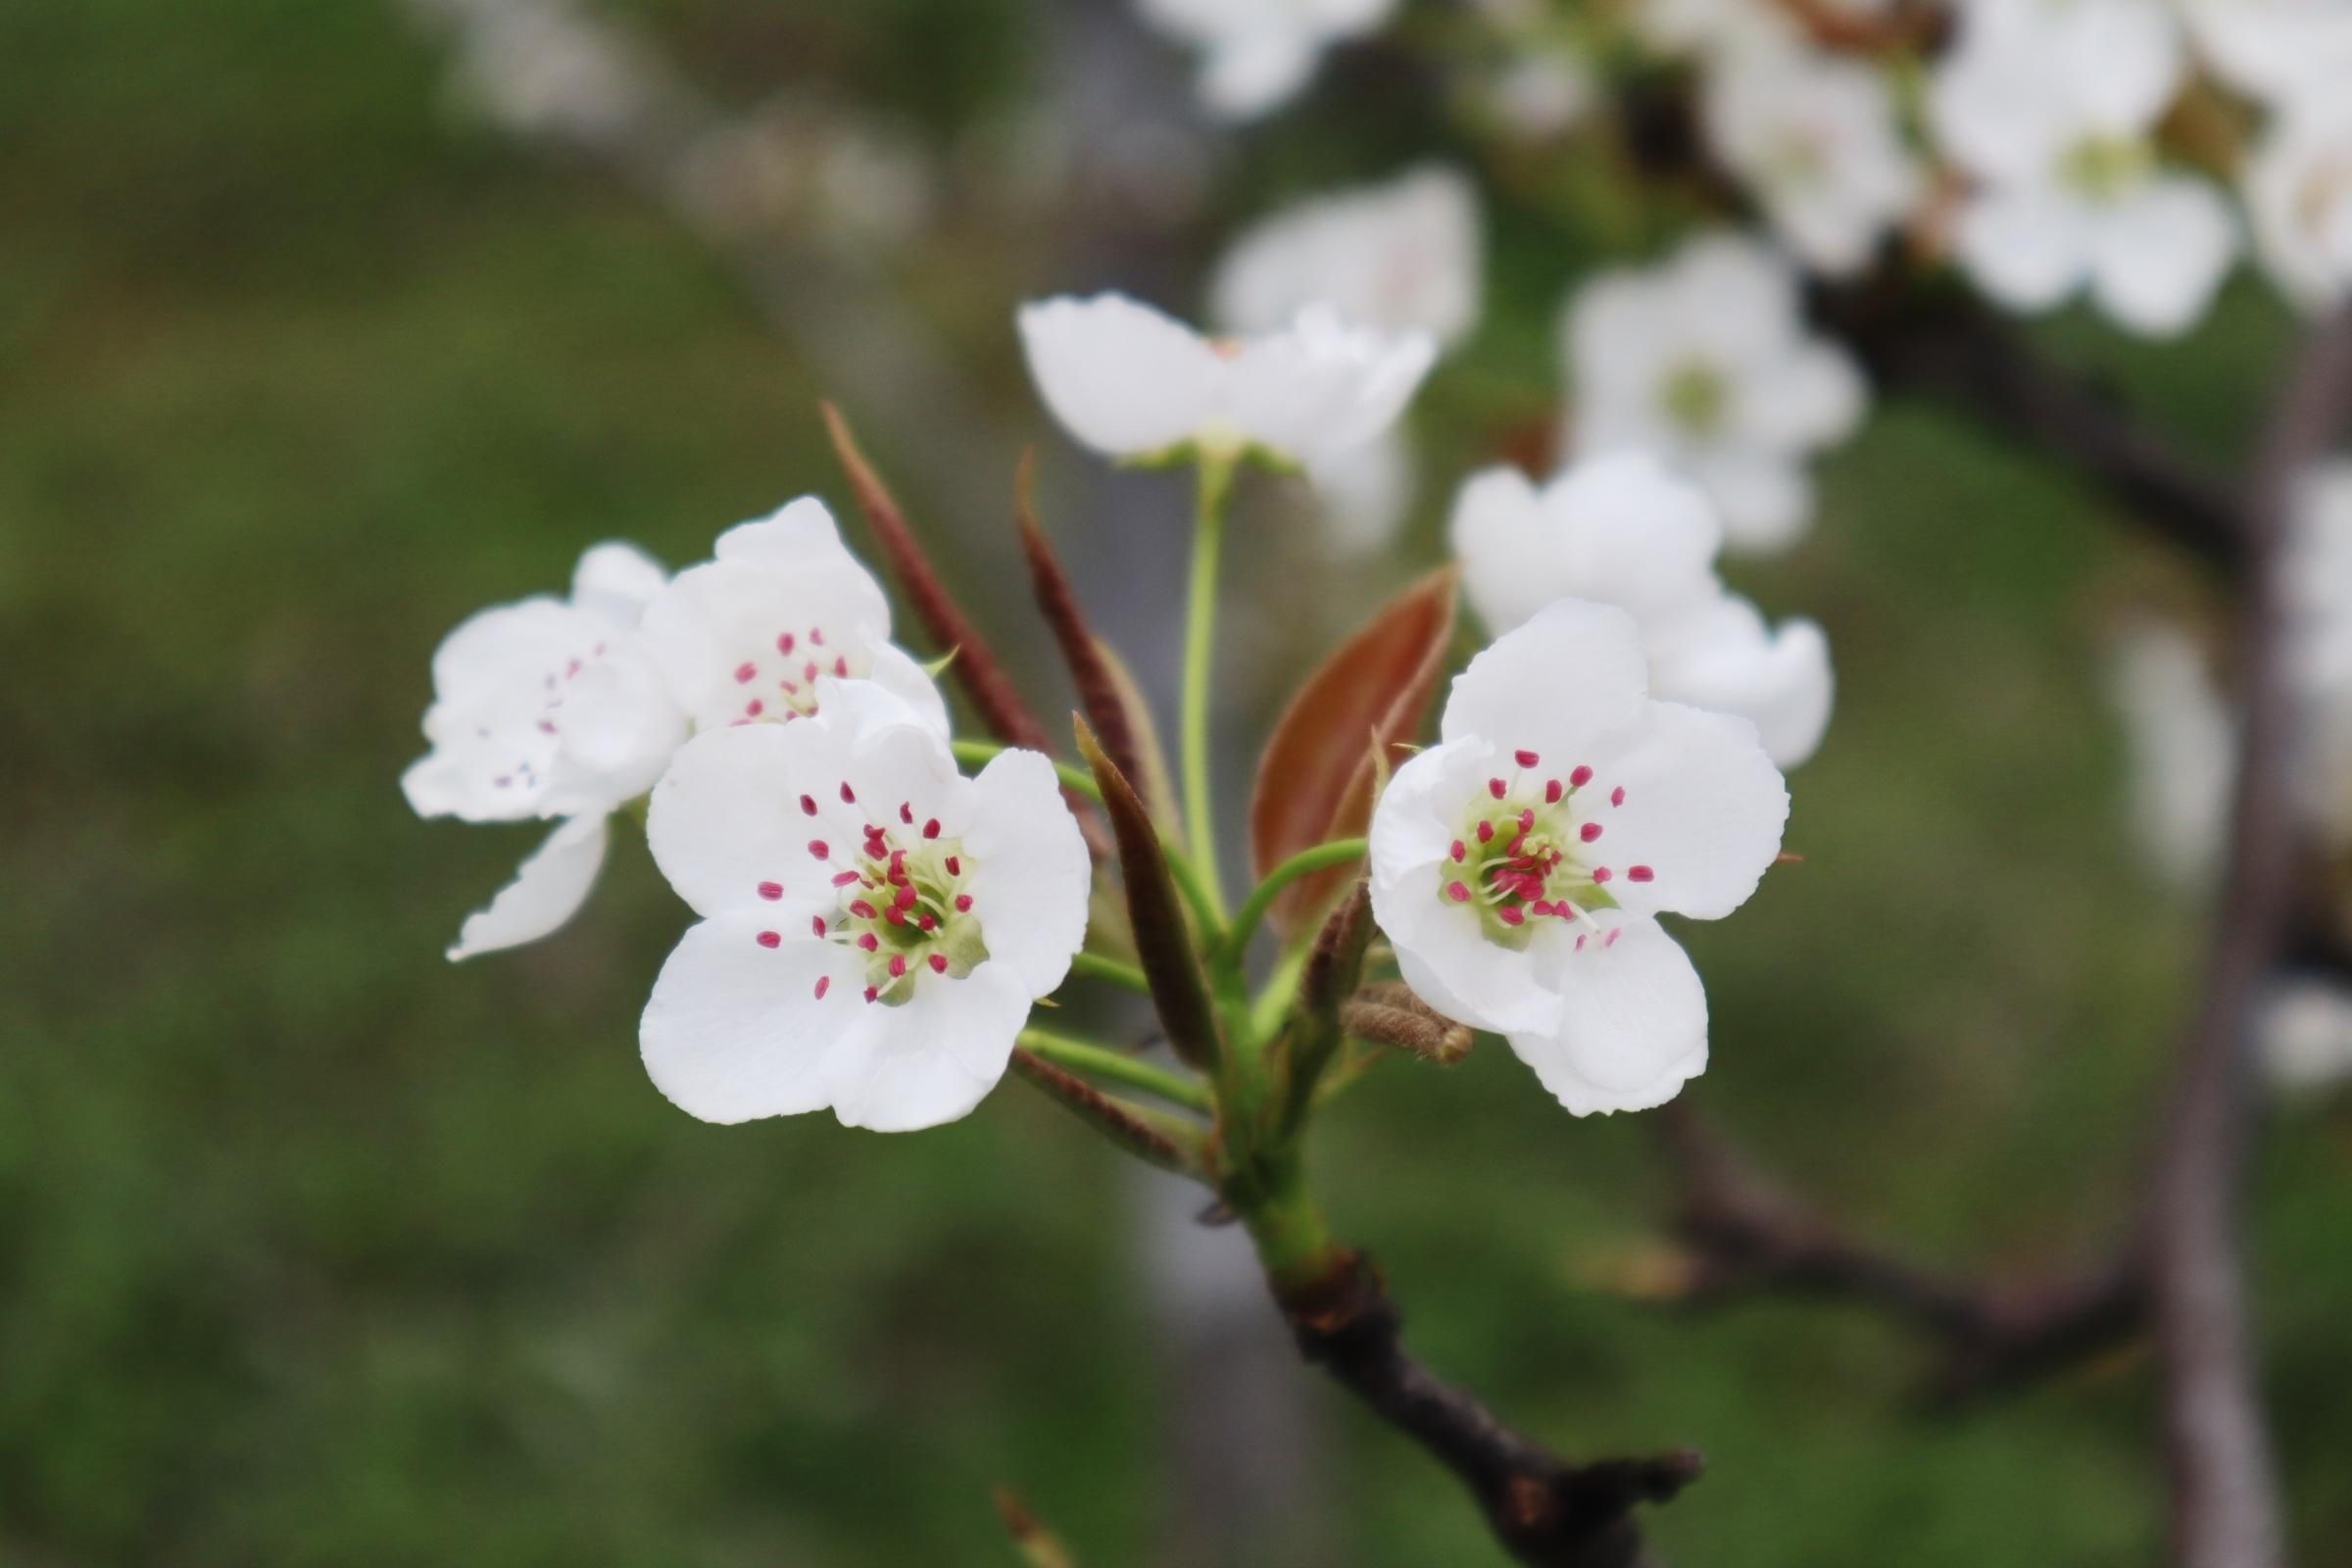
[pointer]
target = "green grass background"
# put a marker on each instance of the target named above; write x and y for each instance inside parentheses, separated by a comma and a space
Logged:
(317, 1250)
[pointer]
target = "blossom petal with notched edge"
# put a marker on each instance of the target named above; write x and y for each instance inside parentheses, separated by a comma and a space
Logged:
(548, 890)
(1633, 1025)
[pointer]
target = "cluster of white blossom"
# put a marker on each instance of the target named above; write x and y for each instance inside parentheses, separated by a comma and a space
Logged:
(874, 925)
(1517, 867)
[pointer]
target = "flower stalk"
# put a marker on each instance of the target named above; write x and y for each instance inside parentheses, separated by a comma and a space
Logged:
(1215, 478)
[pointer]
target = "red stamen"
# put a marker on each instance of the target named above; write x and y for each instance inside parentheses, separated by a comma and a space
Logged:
(808, 806)
(771, 938)
(771, 891)
(1552, 792)
(816, 923)
(963, 903)
(1581, 777)
(1617, 796)
(820, 848)
(1640, 873)
(824, 983)
(744, 672)
(1526, 758)
(939, 964)
(1494, 788)
(931, 829)
(1459, 893)
(898, 965)
(1600, 875)
(1588, 832)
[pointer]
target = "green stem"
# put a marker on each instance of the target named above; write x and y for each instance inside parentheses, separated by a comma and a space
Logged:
(1100, 1061)
(1293, 1243)
(1188, 883)
(1338, 852)
(979, 754)
(1200, 639)
(1094, 967)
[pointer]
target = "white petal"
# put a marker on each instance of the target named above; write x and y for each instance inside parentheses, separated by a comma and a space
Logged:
(1120, 376)
(1030, 871)
(897, 673)
(2161, 255)
(2026, 247)
(727, 829)
(1323, 388)
(548, 890)
(1809, 397)
(1728, 661)
(1766, 498)
(714, 624)
(735, 1029)
(1633, 1024)
(1366, 491)
(801, 532)
(617, 581)
(1576, 671)
(1244, 78)
(934, 1058)
(1702, 807)
(1738, 295)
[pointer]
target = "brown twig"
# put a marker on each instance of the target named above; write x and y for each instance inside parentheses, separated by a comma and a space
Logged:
(1946, 346)
(2226, 1511)
(1541, 1509)
(1749, 1235)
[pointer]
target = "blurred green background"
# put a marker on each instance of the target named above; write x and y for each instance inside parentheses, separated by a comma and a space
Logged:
(315, 1250)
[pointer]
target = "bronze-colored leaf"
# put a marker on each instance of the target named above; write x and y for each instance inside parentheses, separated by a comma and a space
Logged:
(1315, 780)
(975, 666)
(1162, 942)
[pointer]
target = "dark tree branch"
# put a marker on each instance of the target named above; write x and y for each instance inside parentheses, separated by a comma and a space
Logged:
(1946, 346)
(1543, 1509)
(1747, 1235)
(2226, 1511)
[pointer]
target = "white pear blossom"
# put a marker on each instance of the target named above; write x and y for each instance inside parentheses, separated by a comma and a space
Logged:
(1132, 382)
(1402, 257)
(1721, 30)
(2051, 109)
(548, 707)
(1540, 93)
(1817, 140)
(2180, 745)
(2279, 51)
(1706, 360)
(1622, 531)
(2317, 578)
(2299, 190)
(1257, 54)
(746, 636)
(2304, 1036)
(874, 926)
(1517, 865)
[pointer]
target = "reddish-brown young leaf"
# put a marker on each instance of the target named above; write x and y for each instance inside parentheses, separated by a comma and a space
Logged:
(1315, 780)
(1098, 693)
(1163, 943)
(976, 666)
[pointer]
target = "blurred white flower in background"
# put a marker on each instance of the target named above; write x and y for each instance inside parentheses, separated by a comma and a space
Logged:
(542, 67)
(1519, 864)
(2181, 748)
(1134, 383)
(1257, 54)
(1404, 255)
(1815, 140)
(2298, 189)
(1540, 93)
(546, 709)
(2277, 51)
(876, 927)
(1704, 359)
(1724, 27)
(2304, 1041)
(1622, 531)
(2317, 577)
(2051, 109)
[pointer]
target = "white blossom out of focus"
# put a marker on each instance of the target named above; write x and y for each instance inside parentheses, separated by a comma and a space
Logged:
(1403, 256)
(1706, 360)
(2299, 190)
(1816, 139)
(2181, 748)
(2278, 52)
(1622, 531)
(1258, 54)
(2303, 1039)
(2051, 105)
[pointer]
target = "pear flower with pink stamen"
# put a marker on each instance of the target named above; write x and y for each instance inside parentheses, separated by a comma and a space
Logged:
(1518, 866)
(875, 926)
(744, 637)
